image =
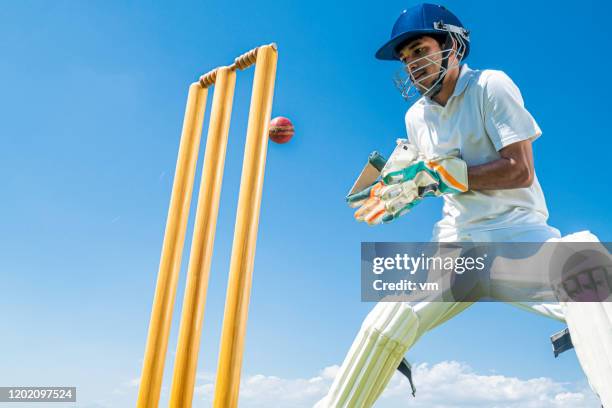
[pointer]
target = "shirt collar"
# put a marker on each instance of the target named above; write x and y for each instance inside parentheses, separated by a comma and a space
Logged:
(465, 74)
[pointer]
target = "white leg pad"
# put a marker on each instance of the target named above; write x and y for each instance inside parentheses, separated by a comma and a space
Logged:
(386, 334)
(590, 325)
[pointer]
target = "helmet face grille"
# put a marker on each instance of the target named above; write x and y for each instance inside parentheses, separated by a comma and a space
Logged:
(405, 81)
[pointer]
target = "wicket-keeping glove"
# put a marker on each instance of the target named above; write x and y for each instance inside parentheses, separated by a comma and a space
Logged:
(406, 179)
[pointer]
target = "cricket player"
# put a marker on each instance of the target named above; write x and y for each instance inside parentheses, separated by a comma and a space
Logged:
(470, 143)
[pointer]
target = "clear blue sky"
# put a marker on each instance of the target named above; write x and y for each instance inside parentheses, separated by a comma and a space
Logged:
(92, 102)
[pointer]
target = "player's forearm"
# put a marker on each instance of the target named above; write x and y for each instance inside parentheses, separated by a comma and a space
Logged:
(503, 173)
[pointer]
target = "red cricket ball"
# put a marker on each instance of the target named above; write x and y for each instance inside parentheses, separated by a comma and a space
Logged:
(281, 130)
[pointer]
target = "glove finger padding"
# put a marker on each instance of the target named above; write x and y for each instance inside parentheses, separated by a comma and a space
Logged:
(397, 196)
(388, 202)
(388, 217)
(372, 211)
(373, 207)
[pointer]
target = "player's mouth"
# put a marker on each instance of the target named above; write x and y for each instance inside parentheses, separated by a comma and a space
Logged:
(418, 76)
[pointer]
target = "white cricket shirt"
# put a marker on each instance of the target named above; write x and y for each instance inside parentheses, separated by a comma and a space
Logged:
(485, 113)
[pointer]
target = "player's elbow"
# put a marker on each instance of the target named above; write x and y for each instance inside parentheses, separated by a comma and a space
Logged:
(523, 175)
(527, 179)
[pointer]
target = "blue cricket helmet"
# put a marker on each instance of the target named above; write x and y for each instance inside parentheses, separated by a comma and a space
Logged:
(418, 21)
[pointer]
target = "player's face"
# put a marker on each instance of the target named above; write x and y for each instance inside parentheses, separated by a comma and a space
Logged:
(422, 58)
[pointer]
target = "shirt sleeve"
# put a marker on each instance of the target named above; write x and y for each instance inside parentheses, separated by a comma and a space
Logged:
(506, 119)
